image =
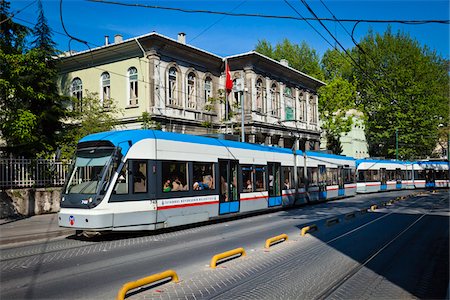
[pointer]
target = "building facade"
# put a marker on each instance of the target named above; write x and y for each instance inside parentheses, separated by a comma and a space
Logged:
(183, 89)
(354, 142)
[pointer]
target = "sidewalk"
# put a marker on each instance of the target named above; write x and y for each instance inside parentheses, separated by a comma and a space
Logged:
(30, 229)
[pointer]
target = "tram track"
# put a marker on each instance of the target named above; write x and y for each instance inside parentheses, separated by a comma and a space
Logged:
(355, 271)
(281, 267)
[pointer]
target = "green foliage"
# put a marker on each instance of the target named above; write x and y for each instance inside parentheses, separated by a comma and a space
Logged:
(32, 110)
(12, 35)
(404, 87)
(90, 117)
(43, 35)
(29, 100)
(147, 122)
(335, 100)
(300, 57)
(334, 64)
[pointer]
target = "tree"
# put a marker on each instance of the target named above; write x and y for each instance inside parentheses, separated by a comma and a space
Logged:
(147, 122)
(12, 35)
(92, 116)
(403, 87)
(335, 100)
(334, 63)
(32, 110)
(43, 35)
(300, 57)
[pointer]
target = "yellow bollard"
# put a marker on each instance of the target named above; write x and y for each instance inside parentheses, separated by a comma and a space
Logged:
(223, 255)
(306, 229)
(332, 221)
(145, 281)
(280, 237)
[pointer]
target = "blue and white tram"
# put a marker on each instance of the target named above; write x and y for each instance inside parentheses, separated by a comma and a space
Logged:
(380, 175)
(430, 174)
(146, 180)
(330, 176)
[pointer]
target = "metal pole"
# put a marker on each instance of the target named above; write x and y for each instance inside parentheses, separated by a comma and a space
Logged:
(294, 150)
(242, 117)
(305, 175)
(396, 143)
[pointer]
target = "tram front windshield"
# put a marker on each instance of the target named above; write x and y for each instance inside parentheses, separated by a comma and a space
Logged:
(89, 168)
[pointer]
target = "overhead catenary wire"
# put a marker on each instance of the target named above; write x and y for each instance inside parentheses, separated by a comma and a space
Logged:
(216, 22)
(343, 27)
(17, 12)
(409, 22)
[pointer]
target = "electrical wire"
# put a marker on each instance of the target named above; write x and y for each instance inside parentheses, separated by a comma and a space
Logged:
(343, 27)
(17, 12)
(210, 26)
(409, 22)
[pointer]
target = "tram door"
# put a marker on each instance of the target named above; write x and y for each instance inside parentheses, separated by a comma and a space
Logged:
(383, 179)
(341, 176)
(275, 198)
(229, 193)
(323, 182)
(429, 178)
(398, 178)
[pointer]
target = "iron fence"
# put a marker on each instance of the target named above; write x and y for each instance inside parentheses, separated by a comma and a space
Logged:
(25, 173)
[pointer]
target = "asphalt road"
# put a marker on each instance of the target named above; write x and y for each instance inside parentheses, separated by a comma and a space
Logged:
(400, 250)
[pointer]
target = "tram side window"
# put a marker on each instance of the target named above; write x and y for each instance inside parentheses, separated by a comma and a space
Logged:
(332, 176)
(121, 187)
(408, 175)
(174, 177)
(348, 175)
(441, 174)
(139, 176)
(419, 174)
(361, 176)
(322, 174)
(287, 178)
(260, 178)
(203, 176)
(372, 175)
(247, 180)
(313, 175)
(301, 177)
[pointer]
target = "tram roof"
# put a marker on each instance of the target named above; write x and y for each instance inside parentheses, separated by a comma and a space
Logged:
(120, 138)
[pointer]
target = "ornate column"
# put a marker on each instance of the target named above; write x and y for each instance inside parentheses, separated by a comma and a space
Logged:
(156, 79)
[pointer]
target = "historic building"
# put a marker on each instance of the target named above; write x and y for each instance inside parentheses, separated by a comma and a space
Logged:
(182, 87)
(354, 142)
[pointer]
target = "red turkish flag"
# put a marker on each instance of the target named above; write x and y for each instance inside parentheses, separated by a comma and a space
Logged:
(228, 81)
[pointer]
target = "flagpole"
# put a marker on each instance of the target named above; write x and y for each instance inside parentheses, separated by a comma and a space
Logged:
(226, 96)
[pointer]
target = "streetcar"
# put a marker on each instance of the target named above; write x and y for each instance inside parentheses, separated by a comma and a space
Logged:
(148, 179)
(430, 174)
(375, 175)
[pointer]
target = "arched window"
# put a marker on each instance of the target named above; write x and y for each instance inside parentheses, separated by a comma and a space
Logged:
(76, 91)
(208, 88)
(106, 89)
(133, 86)
(302, 100)
(259, 95)
(191, 90)
(288, 104)
(275, 98)
(173, 90)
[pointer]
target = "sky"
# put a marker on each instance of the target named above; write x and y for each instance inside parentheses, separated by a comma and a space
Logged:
(227, 35)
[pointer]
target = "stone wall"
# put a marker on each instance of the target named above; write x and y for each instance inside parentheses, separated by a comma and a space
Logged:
(29, 202)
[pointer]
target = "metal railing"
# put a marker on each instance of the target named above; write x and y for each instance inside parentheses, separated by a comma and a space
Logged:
(25, 173)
